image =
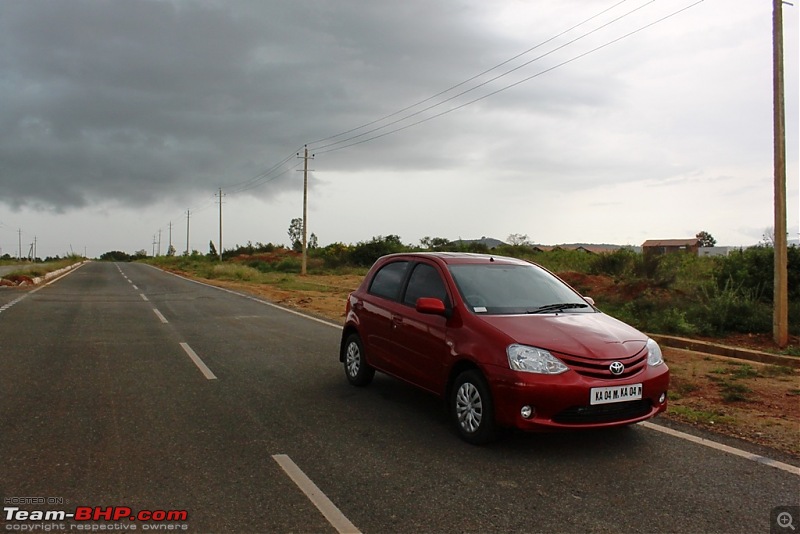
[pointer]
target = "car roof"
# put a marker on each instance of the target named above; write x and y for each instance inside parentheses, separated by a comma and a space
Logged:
(454, 258)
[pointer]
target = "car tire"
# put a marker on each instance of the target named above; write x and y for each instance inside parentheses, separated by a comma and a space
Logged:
(471, 408)
(356, 368)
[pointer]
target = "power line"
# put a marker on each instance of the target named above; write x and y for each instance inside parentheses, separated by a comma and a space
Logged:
(323, 150)
(278, 169)
(471, 78)
(260, 178)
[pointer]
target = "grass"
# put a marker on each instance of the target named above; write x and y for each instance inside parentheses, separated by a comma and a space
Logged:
(744, 371)
(41, 269)
(734, 392)
(701, 416)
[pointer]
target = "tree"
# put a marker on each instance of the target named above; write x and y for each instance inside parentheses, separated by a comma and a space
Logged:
(706, 239)
(768, 237)
(212, 250)
(435, 243)
(296, 234)
(517, 240)
(171, 251)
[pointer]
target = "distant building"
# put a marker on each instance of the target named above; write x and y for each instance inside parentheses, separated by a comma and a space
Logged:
(669, 246)
(714, 251)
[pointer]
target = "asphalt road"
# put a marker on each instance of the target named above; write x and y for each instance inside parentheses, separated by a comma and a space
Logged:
(102, 406)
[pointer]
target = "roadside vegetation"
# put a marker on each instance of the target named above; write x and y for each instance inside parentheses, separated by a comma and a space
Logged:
(30, 270)
(677, 294)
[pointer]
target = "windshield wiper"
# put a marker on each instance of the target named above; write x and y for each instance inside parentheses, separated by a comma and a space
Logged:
(558, 306)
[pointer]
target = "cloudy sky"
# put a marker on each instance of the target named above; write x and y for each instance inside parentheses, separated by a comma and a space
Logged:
(596, 121)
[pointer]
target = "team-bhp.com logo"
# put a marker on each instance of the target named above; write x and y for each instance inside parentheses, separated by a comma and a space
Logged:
(86, 517)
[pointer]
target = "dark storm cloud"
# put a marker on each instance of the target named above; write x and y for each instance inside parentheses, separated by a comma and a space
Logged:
(134, 101)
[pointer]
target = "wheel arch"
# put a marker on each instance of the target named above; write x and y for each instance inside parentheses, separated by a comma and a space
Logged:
(348, 329)
(459, 367)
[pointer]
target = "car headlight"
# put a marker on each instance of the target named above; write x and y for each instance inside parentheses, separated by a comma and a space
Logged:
(654, 356)
(533, 360)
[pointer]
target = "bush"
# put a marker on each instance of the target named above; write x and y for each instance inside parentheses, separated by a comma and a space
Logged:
(614, 264)
(365, 254)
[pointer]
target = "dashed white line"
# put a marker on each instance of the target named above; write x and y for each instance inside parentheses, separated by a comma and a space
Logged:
(334, 516)
(198, 362)
(143, 297)
(160, 316)
(682, 435)
(254, 299)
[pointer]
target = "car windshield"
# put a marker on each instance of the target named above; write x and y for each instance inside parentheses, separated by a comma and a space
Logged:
(514, 289)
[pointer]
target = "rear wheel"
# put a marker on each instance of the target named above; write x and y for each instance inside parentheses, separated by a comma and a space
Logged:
(356, 369)
(471, 408)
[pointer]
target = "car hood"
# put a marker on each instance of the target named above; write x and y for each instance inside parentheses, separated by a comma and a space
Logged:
(592, 335)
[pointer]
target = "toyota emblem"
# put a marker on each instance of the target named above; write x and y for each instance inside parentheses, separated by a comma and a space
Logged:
(616, 368)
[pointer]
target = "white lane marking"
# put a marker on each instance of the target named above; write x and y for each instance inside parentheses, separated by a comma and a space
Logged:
(136, 288)
(255, 299)
(143, 297)
(702, 441)
(334, 516)
(713, 444)
(160, 316)
(38, 288)
(724, 448)
(198, 362)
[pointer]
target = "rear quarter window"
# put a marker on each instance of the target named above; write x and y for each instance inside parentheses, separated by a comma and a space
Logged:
(388, 281)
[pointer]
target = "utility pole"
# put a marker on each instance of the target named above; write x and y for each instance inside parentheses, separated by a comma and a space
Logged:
(159, 241)
(187, 232)
(220, 223)
(154, 245)
(19, 251)
(780, 315)
(305, 157)
(170, 237)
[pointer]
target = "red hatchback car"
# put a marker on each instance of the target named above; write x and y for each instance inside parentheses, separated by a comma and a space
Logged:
(505, 342)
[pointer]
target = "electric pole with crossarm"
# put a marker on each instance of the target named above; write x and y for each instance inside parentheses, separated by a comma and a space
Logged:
(305, 157)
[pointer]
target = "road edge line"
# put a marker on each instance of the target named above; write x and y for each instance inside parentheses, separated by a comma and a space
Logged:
(724, 448)
(251, 297)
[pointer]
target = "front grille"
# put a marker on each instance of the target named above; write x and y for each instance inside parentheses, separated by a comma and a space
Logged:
(600, 368)
(604, 413)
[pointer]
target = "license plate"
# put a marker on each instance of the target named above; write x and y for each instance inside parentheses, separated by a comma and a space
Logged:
(615, 394)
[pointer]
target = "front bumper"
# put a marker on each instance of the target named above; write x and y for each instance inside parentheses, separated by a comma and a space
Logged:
(562, 402)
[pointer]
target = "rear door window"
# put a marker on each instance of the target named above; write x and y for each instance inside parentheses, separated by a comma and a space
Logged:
(425, 281)
(388, 281)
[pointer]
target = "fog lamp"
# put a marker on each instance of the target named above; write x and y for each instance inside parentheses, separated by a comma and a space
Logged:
(527, 412)
(662, 398)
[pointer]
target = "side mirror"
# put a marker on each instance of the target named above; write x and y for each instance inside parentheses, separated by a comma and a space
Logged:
(590, 300)
(431, 306)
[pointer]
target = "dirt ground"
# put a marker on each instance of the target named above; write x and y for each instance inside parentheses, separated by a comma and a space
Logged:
(747, 400)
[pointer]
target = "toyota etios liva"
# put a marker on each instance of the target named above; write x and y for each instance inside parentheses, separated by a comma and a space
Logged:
(505, 342)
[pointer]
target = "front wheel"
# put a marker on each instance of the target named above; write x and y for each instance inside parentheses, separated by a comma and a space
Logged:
(356, 368)
(471, 408)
